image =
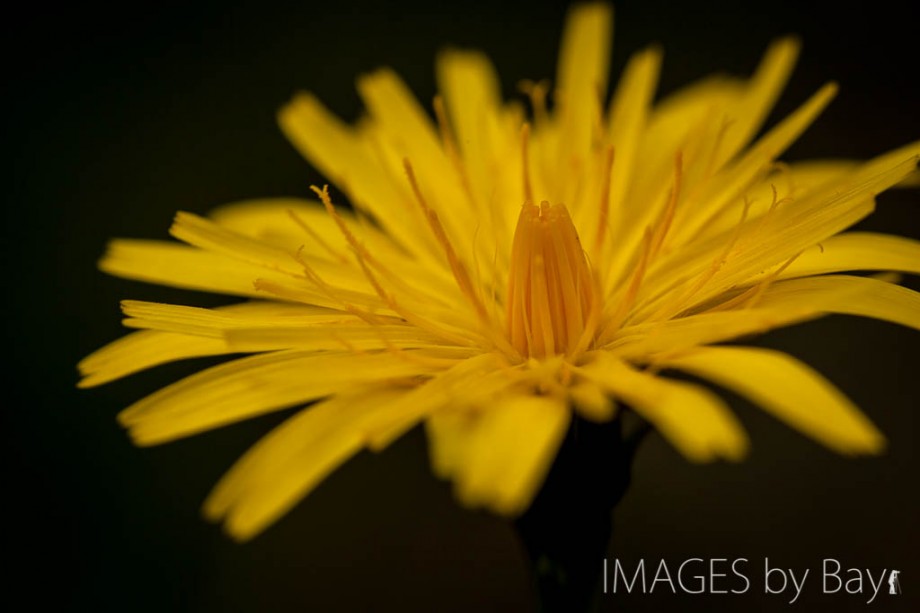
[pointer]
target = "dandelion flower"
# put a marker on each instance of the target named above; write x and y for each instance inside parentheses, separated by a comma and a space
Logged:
(500, 272)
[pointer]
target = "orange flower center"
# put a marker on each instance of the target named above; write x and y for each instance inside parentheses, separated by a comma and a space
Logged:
(551, 293)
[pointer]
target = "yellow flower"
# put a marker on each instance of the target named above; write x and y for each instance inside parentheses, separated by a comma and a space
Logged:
(498, 276)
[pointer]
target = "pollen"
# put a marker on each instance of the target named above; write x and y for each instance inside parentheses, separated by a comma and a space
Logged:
(551, 292)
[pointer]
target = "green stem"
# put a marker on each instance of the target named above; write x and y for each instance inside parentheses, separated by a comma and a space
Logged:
(567, 528)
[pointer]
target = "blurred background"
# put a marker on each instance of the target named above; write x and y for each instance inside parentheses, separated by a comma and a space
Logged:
(119, 116)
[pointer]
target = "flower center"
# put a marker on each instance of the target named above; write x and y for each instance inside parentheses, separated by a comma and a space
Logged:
(551, 295)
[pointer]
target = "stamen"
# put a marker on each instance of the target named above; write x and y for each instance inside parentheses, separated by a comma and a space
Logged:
(453, 152)
(361, 250)
(537, 92)
(604, 208)
(774, 204)
(525, 141)
(327, 289)
(363, 256)
(717, 144)
(626, 303)
(669, 310)
(461, 275)
(661, 229)
(319, 239)
(459, 270)
(749, 298)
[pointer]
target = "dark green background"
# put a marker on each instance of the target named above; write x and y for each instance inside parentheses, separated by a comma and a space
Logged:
(118, 117)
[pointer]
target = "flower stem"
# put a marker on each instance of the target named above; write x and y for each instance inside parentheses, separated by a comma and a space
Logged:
(568, 527)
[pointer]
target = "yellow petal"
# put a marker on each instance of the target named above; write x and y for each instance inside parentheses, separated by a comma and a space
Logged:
(450, 430)
(479, 376)
(391, 102)
(408, 132)
(270, 221)
(729, 186)
(770, 241)
(331, 337)
(192, 268)
(472, 95)
(847, 295)
(336, 150)
(582, 73)
(182, 266)
(449, 433)
(881, 163)
(686, 332)
(511, 448)
(791, 181)
(206, 234)
(759, 97)
(590, 402)
(629, 111)
(142, 350)
(857, 251)
(213, 322)
(678, 120)
(788, 389)
(286, 465)
(322, 282)
(252, 386)
(692, 418)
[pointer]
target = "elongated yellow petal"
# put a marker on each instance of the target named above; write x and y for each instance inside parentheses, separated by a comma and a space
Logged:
(391, 102)
(685, 332)
(789, 390)
(778, 138)
(732, 182)
(472, 94)
(675, 122)
(629, 111)
(767, 242)
(792, 182)
(857, 251)
(449, 433)
(331, 337)
(409, 133)
(759, 97)
(582, 73)
(336, 150)
(511, 447)
(692, 418)
(590, 402)
(781, 303)
(206, 234)
(210, 236)
(451, 430)
(327, 143)
(879, 164)
(292, 460)
(192, 268)
(213, 322)
(252, 386)
(480, 377)
(847, 295)
(278, 221)
(323, 283)
(182, 266)
(142, 350)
